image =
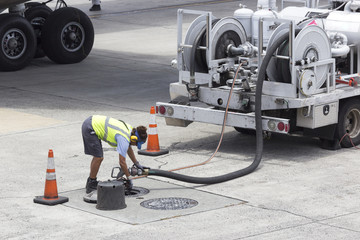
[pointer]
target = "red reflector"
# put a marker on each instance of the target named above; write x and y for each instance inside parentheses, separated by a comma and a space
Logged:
(162, 110)
(157, 109)
(281, 126)
(287, 127)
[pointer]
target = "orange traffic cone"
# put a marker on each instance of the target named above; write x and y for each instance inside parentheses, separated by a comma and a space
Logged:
(50, 194)
(153, 148)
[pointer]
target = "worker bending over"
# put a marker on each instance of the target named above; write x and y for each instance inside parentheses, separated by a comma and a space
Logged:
(118, 134)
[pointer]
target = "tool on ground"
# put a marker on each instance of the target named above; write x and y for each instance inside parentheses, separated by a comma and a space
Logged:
(134, 171)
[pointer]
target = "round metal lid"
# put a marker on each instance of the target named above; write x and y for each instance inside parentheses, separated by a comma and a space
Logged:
(91, 197)
(171, 203)
(306, 83)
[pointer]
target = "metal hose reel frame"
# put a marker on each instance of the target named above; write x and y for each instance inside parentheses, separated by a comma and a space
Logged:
(224, 31)
(272, 71)
(311, 41)
(195, 27)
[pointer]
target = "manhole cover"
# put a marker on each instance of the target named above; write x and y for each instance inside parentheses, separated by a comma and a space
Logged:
(136, 192)
(171, 203)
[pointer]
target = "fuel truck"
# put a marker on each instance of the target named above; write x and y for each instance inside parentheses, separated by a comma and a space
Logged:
(292, 70)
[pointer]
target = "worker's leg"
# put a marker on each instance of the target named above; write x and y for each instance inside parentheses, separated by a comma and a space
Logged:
(95, 6)
(94, 166)
(92, 146)
(91, 182)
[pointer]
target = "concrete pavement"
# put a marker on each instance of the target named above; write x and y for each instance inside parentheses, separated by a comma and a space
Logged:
(300, 191)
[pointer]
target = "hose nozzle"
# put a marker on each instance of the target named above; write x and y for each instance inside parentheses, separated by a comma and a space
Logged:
(145, 172)
(244, 50)
(135, 171)
(193, 90)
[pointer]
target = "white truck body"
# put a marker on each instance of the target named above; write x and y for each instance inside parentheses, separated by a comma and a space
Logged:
(309, 98)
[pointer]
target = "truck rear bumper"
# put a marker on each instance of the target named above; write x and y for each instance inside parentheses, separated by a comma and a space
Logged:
(183, 115)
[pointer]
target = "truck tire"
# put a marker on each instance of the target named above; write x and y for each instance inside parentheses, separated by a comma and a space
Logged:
(67, 36)
(349, 123)
(37, 16)
(18, 42)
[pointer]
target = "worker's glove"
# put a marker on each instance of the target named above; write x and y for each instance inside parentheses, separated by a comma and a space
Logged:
(139, 166)
(128, 184)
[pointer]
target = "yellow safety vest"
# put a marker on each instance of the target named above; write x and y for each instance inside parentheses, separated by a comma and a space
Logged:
(106, 129)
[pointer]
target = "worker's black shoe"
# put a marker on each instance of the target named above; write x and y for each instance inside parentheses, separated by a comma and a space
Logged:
(95, 7)
(91, 185)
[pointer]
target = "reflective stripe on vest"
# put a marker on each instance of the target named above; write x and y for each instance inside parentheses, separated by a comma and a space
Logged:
(106, 129)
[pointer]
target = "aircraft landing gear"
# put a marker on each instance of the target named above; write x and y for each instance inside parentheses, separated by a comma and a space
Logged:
(65, 35)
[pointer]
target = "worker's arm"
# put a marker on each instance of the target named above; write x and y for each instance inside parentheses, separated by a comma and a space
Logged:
(123, 147)
(122, 162)
(131, 154)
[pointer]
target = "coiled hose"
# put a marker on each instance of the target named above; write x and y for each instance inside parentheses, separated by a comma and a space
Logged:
(259, 137)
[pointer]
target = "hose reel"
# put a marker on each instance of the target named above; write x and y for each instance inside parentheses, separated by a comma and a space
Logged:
(313, 42)
(198, 26)
(224, 32)
(310, 42)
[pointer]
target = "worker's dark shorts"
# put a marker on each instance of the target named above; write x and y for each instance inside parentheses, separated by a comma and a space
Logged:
(92, 144)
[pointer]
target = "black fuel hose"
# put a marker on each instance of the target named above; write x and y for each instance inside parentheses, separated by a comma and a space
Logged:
(193, 52)
(193, 56)
(259, 136)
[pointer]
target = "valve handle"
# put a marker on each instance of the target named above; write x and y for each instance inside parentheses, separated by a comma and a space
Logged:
(119, 174)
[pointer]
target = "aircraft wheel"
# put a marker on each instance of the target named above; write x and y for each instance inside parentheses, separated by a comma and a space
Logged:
(37, 16)
(18, 42)
(67, 36)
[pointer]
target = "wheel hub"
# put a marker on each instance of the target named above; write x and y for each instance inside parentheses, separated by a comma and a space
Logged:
(352, 123)
(73, 36)
(14, 43)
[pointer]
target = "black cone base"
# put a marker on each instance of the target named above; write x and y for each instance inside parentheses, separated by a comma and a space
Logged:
(153, 153)
(50, 202)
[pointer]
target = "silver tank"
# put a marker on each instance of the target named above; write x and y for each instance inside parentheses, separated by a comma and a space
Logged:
(244, 15)
(346, 22)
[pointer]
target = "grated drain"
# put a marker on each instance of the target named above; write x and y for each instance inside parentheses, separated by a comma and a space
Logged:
(172, 203)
